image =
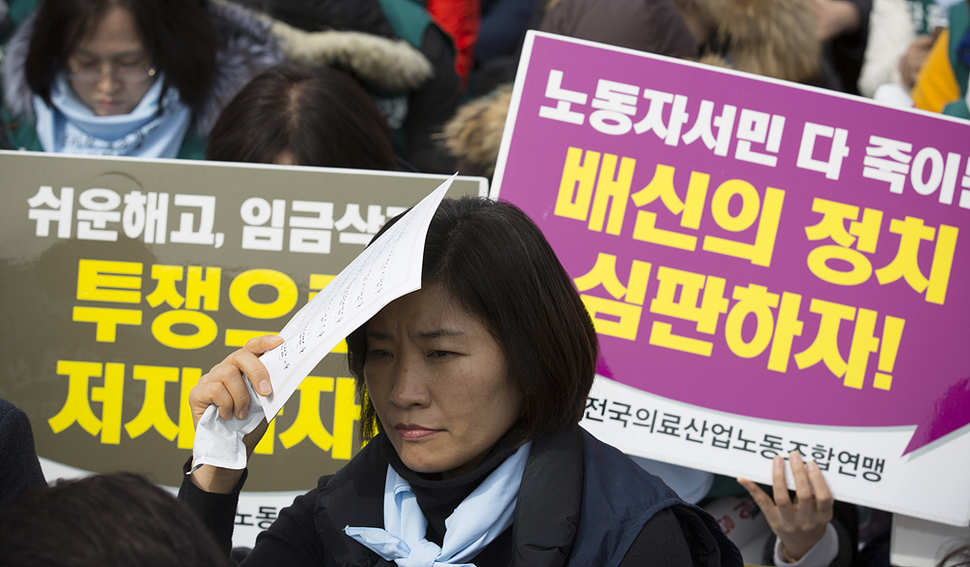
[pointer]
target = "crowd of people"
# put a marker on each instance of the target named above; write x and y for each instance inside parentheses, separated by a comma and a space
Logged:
(469, 457)
(334, 83)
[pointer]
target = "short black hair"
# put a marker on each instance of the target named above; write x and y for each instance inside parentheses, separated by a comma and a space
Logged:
(111, 520)
(493, 259)
(321, 115)
(177, 34)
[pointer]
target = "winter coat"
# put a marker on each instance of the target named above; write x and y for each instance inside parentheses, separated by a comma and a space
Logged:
(772, 38)
(891, 31)
(893, 25)
(19, 467)
(653, 26)
(474, 135)
(581, 502)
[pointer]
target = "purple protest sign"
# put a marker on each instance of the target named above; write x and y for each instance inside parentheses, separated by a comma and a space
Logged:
(749, 246)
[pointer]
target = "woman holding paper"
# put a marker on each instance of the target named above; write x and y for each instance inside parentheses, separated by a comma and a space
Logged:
(143, 78)
(475, 385)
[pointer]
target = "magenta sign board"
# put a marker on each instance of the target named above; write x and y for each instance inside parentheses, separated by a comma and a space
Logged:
(750, 246)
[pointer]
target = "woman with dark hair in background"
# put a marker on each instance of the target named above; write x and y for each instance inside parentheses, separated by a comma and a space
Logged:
(475, 385)
(128, 77)
(293, 115)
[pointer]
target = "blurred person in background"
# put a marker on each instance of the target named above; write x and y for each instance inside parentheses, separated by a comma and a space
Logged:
(19, 466)
(941, 85)
(297, 115)
(901, 33)
(112, 520)
(142, 78)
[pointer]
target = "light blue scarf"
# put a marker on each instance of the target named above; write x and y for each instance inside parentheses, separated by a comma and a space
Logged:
(476, 522)
(70, 127)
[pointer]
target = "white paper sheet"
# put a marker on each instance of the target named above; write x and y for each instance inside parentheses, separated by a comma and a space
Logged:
(386, 270)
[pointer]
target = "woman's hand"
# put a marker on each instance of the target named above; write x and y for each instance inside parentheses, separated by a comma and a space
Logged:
(799, 524)
(912, 60)
(225, 387)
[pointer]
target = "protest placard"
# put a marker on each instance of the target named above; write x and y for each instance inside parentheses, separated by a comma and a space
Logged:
(123, 281)
(770, 267)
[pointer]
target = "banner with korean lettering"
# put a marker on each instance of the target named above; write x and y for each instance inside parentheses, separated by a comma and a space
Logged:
(123, 281)
(770, 267)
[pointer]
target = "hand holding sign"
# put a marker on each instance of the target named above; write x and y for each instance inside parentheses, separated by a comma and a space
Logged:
(799, 524)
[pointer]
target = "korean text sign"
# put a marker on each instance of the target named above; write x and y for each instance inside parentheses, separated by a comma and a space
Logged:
(124, 281)
(769, 267)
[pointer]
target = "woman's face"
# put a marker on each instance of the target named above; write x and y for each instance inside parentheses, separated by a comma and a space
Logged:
(109, 67)
(439, 383)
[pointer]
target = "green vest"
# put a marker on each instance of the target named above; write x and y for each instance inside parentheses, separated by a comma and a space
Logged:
(408, 18)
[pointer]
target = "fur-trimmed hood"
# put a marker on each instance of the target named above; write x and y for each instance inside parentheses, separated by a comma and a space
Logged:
(249, 47)
(381, 64)
(773, 38)
(355, 36)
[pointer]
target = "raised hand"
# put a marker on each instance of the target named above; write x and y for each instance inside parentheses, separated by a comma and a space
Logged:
(799, 523)
(225, 387)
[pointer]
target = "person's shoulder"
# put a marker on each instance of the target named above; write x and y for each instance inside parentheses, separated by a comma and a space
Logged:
(611, 479)
(612, 468)
(323, 481)
(5, 407)
(12, 418)
(959, 18)
(636, 497)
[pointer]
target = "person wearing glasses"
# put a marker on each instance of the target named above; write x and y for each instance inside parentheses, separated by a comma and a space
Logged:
(143, 78)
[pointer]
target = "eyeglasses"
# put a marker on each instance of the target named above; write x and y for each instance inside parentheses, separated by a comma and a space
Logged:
(124, 72)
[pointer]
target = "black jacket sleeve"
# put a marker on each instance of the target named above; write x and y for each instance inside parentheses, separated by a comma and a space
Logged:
(291, 541)
(217, 511)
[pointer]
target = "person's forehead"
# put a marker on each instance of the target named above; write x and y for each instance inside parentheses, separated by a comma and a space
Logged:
(376, 333)
(115, 32)
(99, 54)
(429, 313)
